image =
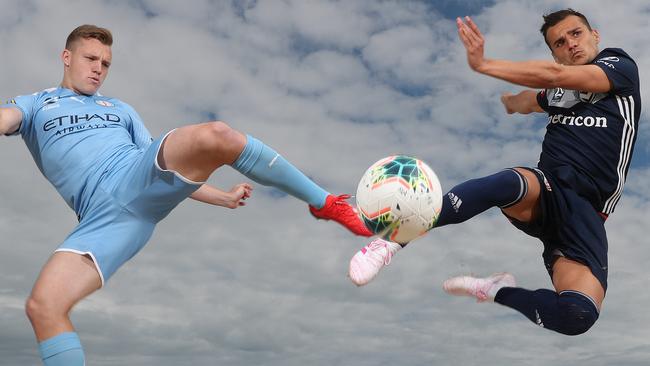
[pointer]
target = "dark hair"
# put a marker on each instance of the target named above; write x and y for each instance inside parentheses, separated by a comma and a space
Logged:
(558, 16)
(87, 31)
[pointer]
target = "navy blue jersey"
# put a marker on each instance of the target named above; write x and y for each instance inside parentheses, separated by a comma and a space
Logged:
(593, 134)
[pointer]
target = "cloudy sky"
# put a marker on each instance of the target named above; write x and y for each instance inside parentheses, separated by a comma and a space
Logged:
(334, 86)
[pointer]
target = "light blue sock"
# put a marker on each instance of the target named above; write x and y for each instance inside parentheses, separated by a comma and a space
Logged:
(265, 166)
(62, 350)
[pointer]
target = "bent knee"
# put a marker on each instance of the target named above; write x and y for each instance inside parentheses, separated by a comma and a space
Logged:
(531, 181)
(218, 136)
(38, 308)
(578, 325)
(219, 128)
(579, 313)
(527, 208)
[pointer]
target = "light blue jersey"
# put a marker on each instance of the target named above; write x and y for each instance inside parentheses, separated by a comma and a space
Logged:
(75, 139)
(102, 160)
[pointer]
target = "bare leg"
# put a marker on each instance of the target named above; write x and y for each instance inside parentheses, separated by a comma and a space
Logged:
(574, 276)
(65, 279)
(567, 274)
(196, 151)
(574, 305)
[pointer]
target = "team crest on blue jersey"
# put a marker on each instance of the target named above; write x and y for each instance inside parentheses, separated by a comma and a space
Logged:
(105, 103)
(51, 103)
(51, 100)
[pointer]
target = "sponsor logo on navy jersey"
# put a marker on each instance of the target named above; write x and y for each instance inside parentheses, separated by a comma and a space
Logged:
(580, 121)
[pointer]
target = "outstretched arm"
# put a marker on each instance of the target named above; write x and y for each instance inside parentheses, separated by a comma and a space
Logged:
(10, 119)
(532, 74)
(233, 199)
(524, 102)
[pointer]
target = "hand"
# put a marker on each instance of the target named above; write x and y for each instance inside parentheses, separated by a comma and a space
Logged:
(238, 195)
(473, 41)
(506, 99)
(524, 102)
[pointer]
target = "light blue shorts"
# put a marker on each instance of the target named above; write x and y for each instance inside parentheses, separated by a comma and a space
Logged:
(124, 210)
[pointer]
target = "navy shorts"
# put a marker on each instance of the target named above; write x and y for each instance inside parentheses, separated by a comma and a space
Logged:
(568, 225)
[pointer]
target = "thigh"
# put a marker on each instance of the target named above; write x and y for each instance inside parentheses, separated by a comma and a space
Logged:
(68, 277)
(65, 279)
(569, 275)
(195, 151)
(579, 235)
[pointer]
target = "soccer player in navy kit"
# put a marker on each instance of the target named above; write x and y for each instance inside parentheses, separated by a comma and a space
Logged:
(121, 182)
(593, 102)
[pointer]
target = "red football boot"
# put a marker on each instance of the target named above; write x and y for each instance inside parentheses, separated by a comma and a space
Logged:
(337, 209)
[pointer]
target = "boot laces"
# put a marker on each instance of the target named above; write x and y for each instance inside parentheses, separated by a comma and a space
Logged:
(377, 245)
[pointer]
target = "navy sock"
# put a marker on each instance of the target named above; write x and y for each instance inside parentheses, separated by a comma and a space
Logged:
(468, 199)
(570, 312)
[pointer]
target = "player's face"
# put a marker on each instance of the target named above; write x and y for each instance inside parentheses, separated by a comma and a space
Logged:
(572, 43)
(86, 65)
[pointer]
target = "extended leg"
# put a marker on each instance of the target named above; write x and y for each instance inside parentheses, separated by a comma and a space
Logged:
(65, 280)
(516, 191)
(198, 150)
(572, 309)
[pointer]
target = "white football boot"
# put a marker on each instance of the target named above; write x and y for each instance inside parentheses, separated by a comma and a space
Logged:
(366, 264)
(483, 289)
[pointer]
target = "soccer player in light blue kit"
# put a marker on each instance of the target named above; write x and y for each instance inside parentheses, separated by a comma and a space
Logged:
(121, 182)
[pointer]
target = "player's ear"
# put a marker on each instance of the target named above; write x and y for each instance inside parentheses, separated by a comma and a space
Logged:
(65, 57)
(596, 35)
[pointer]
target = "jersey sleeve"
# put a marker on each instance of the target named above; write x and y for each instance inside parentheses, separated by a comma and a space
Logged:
(139, 133)
(620, 69)
(25, 103)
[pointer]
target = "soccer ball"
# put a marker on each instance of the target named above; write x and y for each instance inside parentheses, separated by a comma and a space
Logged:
(399, 198)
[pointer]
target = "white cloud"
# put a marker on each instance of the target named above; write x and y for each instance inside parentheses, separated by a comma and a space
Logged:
(334, 86)
(404, 51)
